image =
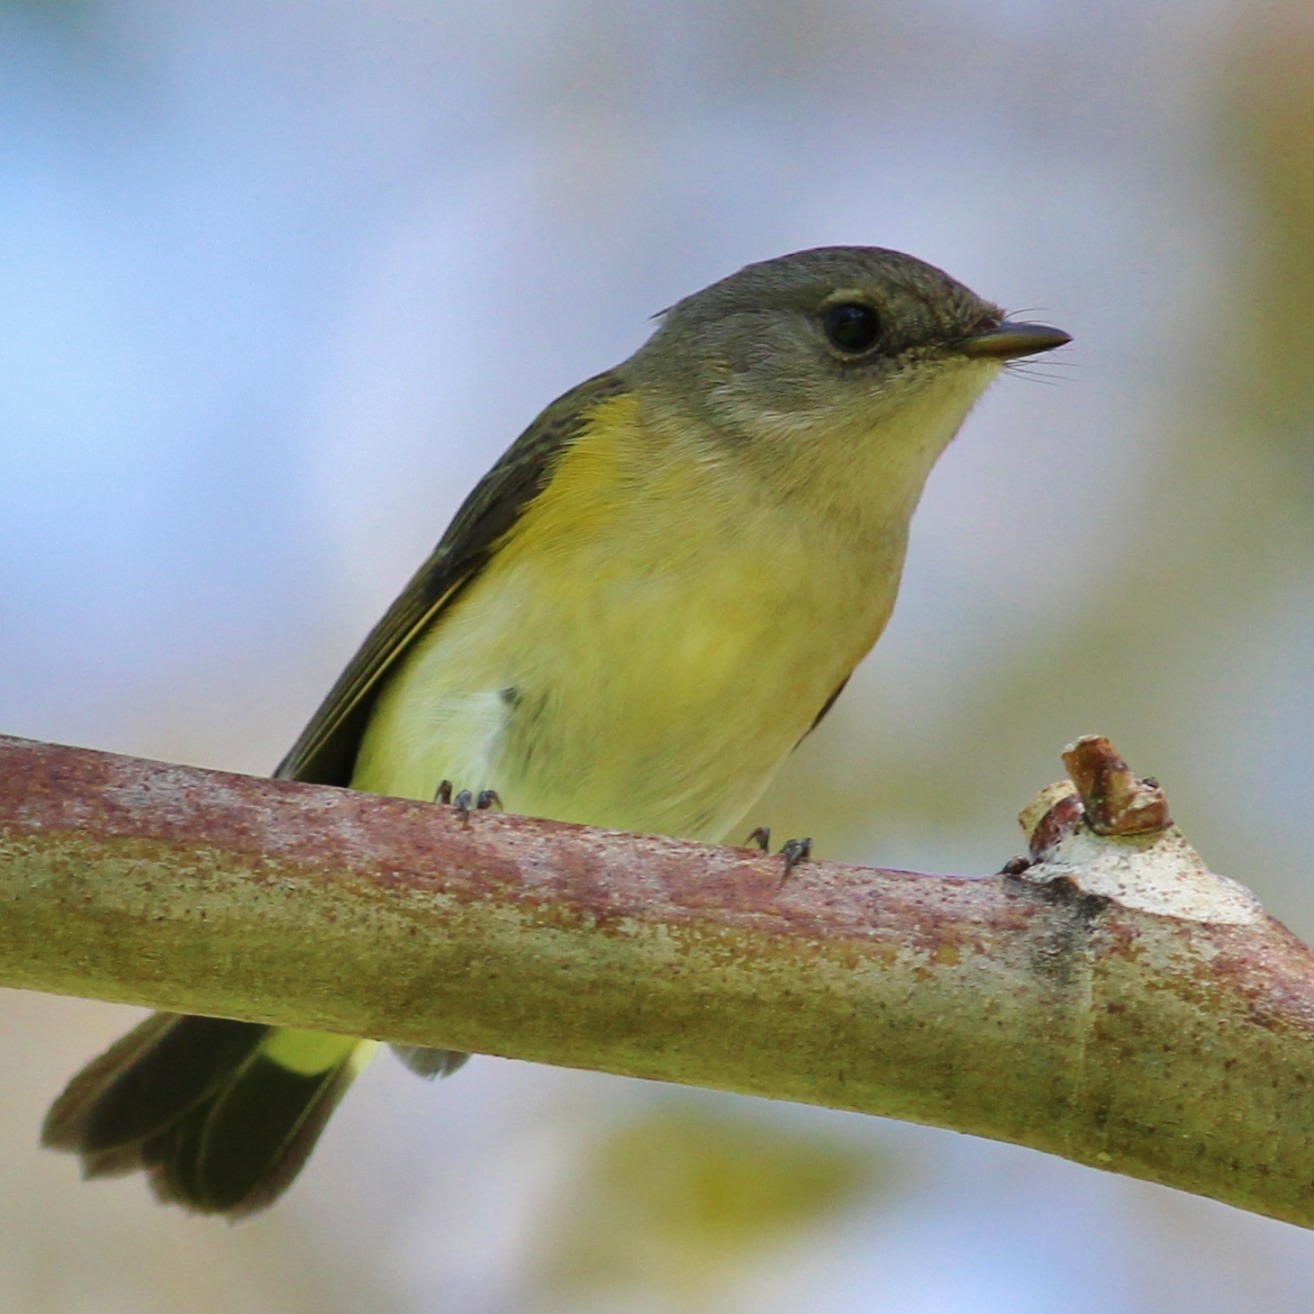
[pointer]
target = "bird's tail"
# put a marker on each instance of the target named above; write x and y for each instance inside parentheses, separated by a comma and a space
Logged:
(220, 1115)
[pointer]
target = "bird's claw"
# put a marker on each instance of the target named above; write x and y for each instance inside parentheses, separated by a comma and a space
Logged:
(793, 851)
(465, 800)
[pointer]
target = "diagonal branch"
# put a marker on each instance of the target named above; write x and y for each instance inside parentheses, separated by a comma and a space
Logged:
(1113, 1002)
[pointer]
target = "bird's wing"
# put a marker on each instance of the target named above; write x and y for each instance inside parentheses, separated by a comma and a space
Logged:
(326, 751)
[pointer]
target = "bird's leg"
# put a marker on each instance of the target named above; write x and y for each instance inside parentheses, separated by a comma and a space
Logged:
(464, 800)
(793, 851)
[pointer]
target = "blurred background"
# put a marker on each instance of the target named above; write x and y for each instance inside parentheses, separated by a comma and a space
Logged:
(280, 280)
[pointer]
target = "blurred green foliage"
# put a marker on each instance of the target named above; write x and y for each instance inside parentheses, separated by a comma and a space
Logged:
(681, 1198)
(1268, 327)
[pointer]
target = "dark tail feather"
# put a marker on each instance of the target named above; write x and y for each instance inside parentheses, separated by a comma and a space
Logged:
(211, 1110)
(143, 1083)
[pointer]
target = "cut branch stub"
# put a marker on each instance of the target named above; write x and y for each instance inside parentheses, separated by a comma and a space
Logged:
(1115, 801)
(1108, 833)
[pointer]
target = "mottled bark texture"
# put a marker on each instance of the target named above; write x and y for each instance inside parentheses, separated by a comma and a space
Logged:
(1112, 1002)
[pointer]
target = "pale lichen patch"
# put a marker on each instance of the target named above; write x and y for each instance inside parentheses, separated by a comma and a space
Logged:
(1159, 873)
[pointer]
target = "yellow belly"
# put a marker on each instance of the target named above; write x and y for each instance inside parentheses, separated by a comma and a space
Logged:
(642, 653)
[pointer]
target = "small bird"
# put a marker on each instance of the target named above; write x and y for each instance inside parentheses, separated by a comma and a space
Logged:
(658, 590)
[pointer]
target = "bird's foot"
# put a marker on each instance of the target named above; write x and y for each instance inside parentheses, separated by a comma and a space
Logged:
(465, 799)
(794, 851)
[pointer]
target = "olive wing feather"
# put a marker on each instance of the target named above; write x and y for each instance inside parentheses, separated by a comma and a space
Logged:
(326, 751)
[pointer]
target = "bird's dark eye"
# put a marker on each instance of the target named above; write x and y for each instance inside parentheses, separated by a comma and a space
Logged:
(851, 327)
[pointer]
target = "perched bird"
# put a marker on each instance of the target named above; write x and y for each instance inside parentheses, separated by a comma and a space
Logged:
(655, 593)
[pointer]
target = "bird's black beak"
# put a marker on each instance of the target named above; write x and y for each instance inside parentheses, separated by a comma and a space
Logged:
(1008, 339)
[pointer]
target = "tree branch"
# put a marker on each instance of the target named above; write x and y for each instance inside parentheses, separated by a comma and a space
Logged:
(1113, 1003)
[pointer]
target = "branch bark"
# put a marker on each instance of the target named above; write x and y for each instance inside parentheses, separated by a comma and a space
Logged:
(1113, 1003)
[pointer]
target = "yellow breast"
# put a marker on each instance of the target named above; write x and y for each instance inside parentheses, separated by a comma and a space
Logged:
(649, 643)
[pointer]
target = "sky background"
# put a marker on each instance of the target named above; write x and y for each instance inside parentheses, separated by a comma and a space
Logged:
(281, 280)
